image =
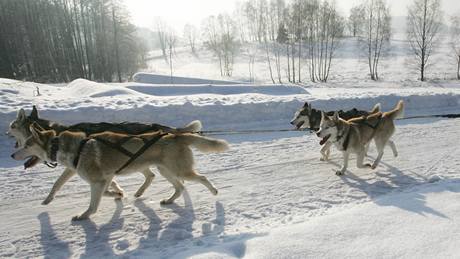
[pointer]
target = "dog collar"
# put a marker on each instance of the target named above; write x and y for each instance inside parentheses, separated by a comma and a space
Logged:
(54, 149)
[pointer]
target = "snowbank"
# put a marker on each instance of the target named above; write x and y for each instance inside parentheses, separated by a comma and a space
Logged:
(218, 107)
(150, 78)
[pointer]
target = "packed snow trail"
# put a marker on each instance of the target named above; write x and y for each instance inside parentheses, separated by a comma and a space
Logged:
(265, 181)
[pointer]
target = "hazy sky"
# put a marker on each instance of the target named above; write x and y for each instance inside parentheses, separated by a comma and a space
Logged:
(179, 12)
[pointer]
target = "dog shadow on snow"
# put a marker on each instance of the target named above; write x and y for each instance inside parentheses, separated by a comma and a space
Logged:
(177, 236)
(396, 181)
(97, 237)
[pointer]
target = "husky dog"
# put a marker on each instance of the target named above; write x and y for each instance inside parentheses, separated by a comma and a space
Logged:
(97, 163)
(353, 135)
(20, 129)
(310, 118)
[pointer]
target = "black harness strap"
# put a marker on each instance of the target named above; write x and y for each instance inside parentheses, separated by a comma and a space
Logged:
(80, 148)
(147, 144)
(347, 140)
(117, 146)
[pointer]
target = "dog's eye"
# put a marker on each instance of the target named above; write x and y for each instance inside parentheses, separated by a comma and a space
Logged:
(13, 126)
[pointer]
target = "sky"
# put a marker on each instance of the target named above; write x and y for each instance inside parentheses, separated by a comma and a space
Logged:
(179, 12)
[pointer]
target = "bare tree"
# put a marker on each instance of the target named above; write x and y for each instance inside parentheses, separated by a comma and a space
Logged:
(355, 20)
(161, 27)
(376, 32)
(220, 37)
(455, 40)
(423, 24)
(171, 39)
(324, 33)
(190, 34)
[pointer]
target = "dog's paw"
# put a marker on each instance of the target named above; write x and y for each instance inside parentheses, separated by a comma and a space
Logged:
(367, 165)
(166, 202)
(339, 173)
(138, 193)
(373, 166)
(47, 200)
(214, 191)
(79, 217)
(119, 195)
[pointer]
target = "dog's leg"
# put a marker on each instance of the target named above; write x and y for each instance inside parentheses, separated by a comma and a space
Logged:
(193, 176)
(380, 149)
(65, 176)
(366, 149)
(346, 155)
(360, 160)
(178, 186)
(393, 147)
(97, 189)
(117, 192)
(149, 176)
(325, 151)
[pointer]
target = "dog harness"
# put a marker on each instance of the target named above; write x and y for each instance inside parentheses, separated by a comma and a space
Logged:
(363, 122)
(52, 154)
(119, 147)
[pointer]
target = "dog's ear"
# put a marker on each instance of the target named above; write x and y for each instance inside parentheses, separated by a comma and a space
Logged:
(324, 116)
(335, 117)
(21, 115)
(305, 105)
(34, 113)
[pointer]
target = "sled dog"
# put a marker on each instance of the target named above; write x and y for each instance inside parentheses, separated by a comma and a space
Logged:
(352, 136)
(20, 129)
(97, 162)
(310, 118)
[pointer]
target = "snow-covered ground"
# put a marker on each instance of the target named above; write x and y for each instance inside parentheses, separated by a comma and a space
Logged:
(276, 199)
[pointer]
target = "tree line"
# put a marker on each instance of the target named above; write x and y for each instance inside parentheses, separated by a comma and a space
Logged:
(307, 33)
(60, 40)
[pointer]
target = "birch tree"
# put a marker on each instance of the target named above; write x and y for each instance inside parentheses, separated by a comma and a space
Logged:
(423, 25)
(376, 32)
(455, 40)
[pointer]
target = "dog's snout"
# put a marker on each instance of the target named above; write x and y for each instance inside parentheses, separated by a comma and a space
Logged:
(317, 133)
(12, 156)
(292, 122)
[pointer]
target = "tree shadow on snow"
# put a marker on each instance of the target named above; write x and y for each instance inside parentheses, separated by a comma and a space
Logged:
(394, 182)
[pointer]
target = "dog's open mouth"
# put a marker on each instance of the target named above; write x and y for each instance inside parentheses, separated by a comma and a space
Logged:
(324, 139)
(32, 161)
(299, 124)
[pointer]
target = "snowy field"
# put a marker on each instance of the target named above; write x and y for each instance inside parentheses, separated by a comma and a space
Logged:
(276, 198)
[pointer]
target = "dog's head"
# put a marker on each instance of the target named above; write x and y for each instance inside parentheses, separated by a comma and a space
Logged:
(20, 127)
(301, 118)
(307, 117)
(35, 147)
(329, 127)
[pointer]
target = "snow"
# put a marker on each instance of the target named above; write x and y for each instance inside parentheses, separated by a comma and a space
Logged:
(276, 198)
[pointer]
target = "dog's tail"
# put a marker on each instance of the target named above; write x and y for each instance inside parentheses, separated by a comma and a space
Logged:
(375, 109)
(194, 126)
(204, 144)
(397, 112)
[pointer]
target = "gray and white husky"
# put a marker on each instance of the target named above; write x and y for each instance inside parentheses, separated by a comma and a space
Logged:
(310, 118)
(352, 136)
(98, 162)
(20, 129)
